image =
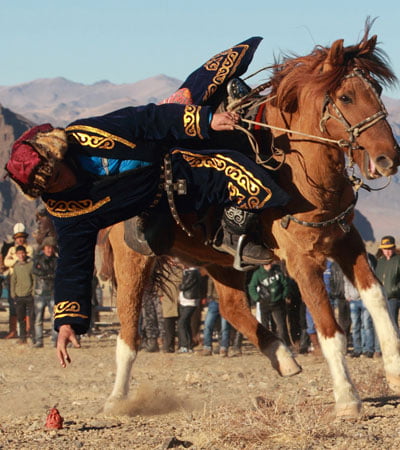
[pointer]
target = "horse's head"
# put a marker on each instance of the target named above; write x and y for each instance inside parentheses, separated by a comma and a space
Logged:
(353, 109)
(345, 84)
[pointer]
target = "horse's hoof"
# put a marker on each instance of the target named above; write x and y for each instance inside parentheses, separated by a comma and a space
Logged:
(394, 383)
(348, 410)
(112, 405)
(289, 367)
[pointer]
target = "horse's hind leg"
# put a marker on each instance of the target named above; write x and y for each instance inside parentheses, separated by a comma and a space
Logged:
(234, 308)
(132, 272)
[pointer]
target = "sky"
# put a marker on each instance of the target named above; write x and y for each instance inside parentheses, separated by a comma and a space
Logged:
(124, 41)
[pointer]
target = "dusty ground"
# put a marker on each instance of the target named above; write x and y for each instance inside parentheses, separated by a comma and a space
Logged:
(185, 401)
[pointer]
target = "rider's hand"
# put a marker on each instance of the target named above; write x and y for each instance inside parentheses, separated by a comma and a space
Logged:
(65, 335)
(225, 121)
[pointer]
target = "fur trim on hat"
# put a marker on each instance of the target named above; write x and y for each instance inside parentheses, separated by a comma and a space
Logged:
(33, 157)
(51, 143)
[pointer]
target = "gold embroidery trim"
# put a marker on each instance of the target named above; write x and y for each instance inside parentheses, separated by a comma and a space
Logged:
(241, 176)
(191, 121)
(224, 64)
(72, 208)
(68, 309)
(105, 140)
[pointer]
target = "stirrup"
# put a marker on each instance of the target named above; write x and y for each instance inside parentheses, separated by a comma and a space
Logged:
(238, 262)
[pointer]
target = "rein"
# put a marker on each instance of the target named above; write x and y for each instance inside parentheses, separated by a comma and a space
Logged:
(353, 131)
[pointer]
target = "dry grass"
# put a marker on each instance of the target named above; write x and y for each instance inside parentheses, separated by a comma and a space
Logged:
(269, 424)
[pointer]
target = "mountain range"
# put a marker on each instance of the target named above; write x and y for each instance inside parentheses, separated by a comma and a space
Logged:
(60, 101)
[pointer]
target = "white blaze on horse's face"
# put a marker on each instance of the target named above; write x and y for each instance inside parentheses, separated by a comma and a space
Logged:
(361, 122)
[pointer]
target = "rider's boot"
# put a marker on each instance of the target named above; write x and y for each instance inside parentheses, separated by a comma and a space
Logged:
(241, 239)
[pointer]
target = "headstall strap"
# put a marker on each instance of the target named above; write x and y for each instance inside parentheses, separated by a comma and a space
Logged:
(353, 130)
(170, 188)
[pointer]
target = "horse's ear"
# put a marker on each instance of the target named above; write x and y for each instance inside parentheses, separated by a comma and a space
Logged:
(334, 56)
(368, 46)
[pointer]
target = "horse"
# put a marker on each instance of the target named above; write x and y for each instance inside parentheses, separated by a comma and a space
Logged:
(323, 114)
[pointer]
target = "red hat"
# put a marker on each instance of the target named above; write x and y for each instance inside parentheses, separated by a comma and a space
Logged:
(32, 158)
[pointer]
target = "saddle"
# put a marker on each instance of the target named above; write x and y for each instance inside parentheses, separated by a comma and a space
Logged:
(152, 233)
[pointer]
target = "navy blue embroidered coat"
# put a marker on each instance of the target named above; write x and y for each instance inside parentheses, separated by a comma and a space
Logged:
(127, 145)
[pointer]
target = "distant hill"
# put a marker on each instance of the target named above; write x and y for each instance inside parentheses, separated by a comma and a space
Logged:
(60, 101)
(13, 206)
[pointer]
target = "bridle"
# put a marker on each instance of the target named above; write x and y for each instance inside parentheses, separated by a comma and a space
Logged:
(353, 130)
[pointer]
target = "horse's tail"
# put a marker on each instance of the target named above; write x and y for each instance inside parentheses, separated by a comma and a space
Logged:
(163, 273)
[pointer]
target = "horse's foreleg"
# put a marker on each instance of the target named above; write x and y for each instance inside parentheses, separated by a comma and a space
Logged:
(308, 274)
(235, 309)
(353, 260)
(131, 272)
(376, 304)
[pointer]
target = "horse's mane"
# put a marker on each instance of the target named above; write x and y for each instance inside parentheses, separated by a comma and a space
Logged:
(324, 68)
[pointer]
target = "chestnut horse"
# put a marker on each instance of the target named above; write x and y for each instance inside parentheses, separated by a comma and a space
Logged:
(323, 109)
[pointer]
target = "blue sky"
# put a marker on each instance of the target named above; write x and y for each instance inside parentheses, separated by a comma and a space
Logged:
(126, 41)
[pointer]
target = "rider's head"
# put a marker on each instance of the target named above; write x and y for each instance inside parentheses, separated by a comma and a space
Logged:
(34, 156)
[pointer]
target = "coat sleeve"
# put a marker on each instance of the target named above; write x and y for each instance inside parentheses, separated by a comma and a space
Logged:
(162, 123)
(253, 284)
(74, 274)
(285, 285)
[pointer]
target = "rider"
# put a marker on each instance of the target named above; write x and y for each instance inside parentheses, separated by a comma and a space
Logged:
(103, 170)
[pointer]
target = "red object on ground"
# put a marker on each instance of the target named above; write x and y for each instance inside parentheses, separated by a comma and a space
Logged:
(54, 421)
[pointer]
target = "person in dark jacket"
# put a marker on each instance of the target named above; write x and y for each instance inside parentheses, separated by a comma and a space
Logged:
(270, 288)
(190, 294)
(388, 272)
(44, 269)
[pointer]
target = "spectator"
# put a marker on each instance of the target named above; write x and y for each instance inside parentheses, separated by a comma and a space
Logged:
(10, 259)
(19, 237)
(45, 226)
(212, 316)
(44, 267)
(22, 288)
(269, 287)
(293, 306)
(152, 326)
(189, 297)
(96, 301)
(169, 304)
(362, 330)
(336, 290)
(388, 272)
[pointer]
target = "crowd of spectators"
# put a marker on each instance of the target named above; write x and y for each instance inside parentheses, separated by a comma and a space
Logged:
(183, 312)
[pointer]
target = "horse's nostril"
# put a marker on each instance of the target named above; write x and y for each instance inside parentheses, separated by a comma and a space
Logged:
(383, 162)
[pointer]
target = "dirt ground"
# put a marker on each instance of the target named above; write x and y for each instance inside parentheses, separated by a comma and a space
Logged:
(185, 401)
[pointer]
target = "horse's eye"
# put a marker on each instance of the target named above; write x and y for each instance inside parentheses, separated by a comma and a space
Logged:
(345, 99)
